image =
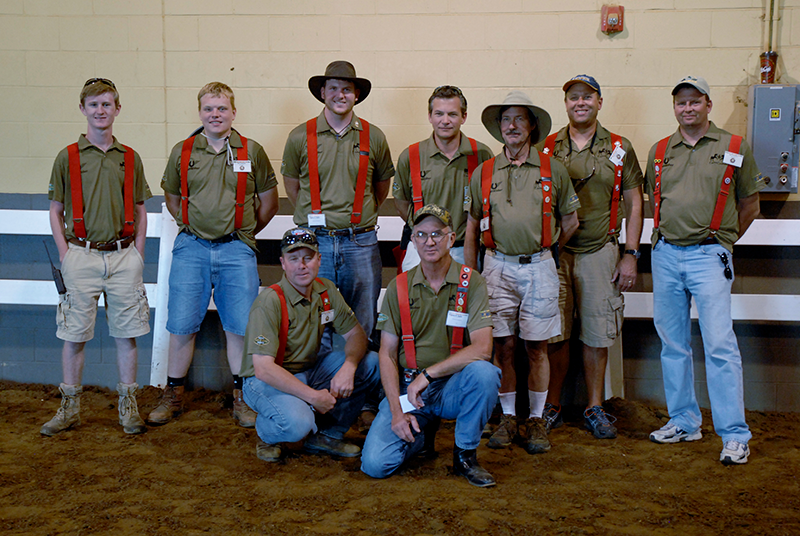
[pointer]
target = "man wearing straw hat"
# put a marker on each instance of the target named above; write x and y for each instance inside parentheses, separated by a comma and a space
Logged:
(522, 205)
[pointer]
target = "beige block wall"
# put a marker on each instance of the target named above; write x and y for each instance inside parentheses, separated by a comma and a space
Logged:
(159, 52)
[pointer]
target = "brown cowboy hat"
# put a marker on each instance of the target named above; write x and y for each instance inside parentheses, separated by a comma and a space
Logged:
(340, 70)
(491, 116)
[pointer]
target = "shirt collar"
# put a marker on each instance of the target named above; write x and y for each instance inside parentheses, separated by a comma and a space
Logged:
(452, 276)
(84, 143)
(713, 133)
(533, 158)
(293, 296)
(322, 123)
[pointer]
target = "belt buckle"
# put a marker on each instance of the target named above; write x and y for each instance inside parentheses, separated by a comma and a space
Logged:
(525, 259)
(409, 375)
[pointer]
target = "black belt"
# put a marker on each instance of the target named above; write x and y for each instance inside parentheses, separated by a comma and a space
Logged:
(221, 240)
(113, 245)
(706, 242)
(321, 231)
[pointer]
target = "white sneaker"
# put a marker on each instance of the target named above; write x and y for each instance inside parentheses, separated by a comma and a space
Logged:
(670, 433)
(734, 452)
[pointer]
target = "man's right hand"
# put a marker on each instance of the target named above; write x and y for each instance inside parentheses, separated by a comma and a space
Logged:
(402, 425)
(323, 401)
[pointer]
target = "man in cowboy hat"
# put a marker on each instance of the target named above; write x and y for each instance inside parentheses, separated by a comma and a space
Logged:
(336, 168)
(514, 198)
(437, 170)
(703, 184)
(603, 168)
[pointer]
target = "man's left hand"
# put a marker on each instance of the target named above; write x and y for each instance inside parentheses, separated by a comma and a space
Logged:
(625, 273)
(343, 381)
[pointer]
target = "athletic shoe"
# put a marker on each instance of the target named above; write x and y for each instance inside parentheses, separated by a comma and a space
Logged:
(670, 433)
(598, 423)
(504, 434)
(552, 416)
(536, 441)
(734, 453)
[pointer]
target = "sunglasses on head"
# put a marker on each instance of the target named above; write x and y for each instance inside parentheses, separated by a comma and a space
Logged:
(105, 81)
(304, 237)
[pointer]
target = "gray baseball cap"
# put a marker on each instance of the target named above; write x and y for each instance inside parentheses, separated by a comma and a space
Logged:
(696, 82)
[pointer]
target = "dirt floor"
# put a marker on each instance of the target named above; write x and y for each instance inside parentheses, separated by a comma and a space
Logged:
(199, 475)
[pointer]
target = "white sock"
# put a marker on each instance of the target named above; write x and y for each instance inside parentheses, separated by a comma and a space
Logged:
(508, 401)
(537, 401)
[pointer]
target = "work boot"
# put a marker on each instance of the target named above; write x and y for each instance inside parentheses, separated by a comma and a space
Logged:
(68, 415)
(465, 463)
(129, 417)
(268, 453)
(170, 405)
(428, 451)
(536, 441)
(242, 412)
(322, 444)
(505, 432)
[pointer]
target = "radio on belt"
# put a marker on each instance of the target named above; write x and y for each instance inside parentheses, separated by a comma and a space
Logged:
(773, 132)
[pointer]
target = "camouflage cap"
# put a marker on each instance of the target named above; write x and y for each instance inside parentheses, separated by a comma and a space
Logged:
(436, 211)
(298, 238)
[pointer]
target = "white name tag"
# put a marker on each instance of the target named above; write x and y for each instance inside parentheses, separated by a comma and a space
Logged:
(456, 319)
(485, 224)
(405, 405)
(733, 159)
(241, 166)
(326, 317)
(617, 156)
(316, 220)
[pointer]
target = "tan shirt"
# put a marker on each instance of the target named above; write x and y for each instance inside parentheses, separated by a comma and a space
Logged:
(338, 158)
(212, 187)
(305, 325)
(595, 192)
(102, 180)
(516, 203)
(444, 182)
(429, 313)
(690, 184)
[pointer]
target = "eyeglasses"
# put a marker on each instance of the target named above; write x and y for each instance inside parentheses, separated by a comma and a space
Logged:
(304, 236)
(577, 181)
(724, 258)
(105, 81)
(436, 236)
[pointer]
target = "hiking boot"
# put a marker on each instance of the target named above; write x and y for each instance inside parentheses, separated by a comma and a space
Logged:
(242, 412)
(536, 441)
(68, 415)
(322, 444)
(597, 422)
(734, 453)
(268, 453)
(670, 433)
(170, 405)
(129, 417)
(504, 434)
(552, 416)
(465, 463)
(428, 451)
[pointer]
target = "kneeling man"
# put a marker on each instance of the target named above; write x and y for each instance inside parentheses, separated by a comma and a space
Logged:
(440, 310)
(299, 394)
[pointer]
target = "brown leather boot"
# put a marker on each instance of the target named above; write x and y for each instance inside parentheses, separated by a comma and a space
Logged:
(242, 412)
(129, 417)
(170, 405)
(68, 415)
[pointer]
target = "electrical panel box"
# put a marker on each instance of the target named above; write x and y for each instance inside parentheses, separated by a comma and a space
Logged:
(773, 132)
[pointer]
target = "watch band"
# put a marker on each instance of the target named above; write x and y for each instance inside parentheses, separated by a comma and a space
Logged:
(427, 376)
(635, 252)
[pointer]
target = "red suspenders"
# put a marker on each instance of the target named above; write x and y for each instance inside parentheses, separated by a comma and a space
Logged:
(658, 165)
(283, 334)
(241, 183)
(616, 141)
(313, 170)
(76, 190)
(415, 164)
(457, 342)
(486, 189)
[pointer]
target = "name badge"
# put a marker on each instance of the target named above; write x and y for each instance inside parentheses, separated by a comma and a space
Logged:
(327, 316)
(485, 224)
(733, 159)
(316, 220)
(242, 166)
(456, 319)
(617, 156)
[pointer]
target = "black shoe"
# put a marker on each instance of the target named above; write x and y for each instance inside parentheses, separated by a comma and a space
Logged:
(465, 463)
(428, 451)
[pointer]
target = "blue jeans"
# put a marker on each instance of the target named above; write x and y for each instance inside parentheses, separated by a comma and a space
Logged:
(680, 273)
(198, 265)
(353, 263)
(284, 418)
(469, 396)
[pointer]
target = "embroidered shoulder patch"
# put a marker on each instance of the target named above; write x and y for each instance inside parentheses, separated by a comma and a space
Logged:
(261, 340)
(486, 314)
(382, 317)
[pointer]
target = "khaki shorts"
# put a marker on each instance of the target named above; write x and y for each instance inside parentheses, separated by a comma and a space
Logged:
(117, 275)
(523, 295)
(587, 290)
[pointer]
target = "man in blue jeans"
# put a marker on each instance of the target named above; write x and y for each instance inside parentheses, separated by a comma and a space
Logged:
(300, 394)
(440, 311)
(703, 184)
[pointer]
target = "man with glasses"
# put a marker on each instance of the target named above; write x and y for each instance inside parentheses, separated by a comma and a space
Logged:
(703, 184)
(440, 311)
(221, 189)
(523, 204)
(606, 176)
(299, 394)
(437, 170)
(99, 222)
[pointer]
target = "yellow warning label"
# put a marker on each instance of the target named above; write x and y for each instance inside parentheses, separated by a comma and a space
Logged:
(774, 113)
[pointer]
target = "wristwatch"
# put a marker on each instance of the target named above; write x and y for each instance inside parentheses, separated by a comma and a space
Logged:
(635, 252)
(424, 372)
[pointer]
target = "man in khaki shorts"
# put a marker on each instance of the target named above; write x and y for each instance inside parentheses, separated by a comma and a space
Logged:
(606, 176)
(522, 204)
(97, 194)
(439, 172)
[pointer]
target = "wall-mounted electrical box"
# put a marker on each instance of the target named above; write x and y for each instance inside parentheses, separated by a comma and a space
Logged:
(773, 132)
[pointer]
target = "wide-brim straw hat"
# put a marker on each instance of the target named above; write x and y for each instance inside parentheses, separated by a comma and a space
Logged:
(491, 116)
(340, 70)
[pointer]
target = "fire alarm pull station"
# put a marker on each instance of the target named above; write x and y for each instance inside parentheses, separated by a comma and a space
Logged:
(611, 19)
(773, 131)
